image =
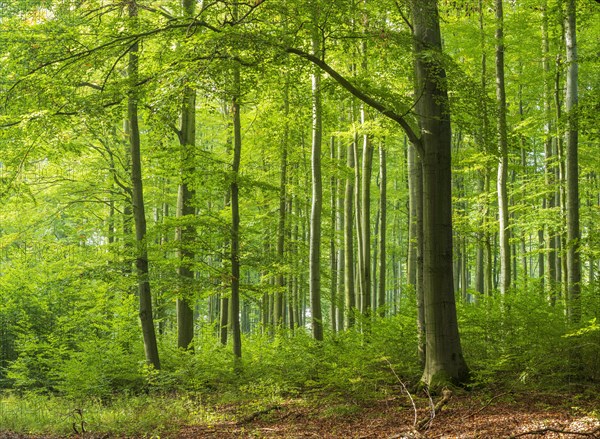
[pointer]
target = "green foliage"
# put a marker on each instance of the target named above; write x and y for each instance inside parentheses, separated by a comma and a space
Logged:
(521, 340)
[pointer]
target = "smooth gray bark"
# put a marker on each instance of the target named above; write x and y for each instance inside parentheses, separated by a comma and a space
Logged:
(504, 232)
(317, 189)
(572, 169)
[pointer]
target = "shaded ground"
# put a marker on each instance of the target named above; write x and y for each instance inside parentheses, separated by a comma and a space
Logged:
(464, 416)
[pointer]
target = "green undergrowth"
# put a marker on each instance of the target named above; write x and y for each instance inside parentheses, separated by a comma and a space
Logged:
(513, 344)
(145, 415)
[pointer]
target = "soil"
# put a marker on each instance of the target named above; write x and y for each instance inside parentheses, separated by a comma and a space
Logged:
(463, 416)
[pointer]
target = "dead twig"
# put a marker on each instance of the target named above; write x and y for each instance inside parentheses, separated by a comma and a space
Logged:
(405, 389)
(594, 433)
(257, 414)
(446, 396)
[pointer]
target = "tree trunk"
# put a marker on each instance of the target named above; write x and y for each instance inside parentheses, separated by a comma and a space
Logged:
(572, 170)
(234, 305)
(139, 214)
(349, 289)
(185, 234)
(444, 360)
(280, 280)
(415, 180)
(504, 232)
(365, 219)
(317, 191)
(382, 229)
(333, 262)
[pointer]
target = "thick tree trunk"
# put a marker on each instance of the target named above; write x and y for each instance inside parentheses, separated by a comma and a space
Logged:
(504, 232)
(444, 360)
(139, 214)
(572, 170)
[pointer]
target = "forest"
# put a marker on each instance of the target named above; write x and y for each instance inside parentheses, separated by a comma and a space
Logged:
(311, 218)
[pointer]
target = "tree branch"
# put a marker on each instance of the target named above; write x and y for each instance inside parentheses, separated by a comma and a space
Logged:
(370, 101)
(594, 433)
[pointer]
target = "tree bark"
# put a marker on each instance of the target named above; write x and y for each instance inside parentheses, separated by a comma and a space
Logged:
(572, 170)
(504, 232)
(382, 230)
(444, 359)
(349, 286)
(234, 304)
(317, 190)
(280, 280)
(185, 194)
(139, 214)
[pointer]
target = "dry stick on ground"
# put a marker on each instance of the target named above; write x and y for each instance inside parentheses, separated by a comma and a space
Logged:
(446, 396)
(406, 390)
(257, 414)
(594, 433)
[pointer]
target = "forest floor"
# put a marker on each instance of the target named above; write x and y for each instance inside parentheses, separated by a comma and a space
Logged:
(464, 415)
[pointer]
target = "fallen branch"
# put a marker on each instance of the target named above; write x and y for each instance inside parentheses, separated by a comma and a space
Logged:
(258, 414)
(446, 396)
(406, 390)
(594, 433)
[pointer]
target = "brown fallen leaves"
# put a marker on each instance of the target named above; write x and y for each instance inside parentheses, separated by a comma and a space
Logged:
(465, 416)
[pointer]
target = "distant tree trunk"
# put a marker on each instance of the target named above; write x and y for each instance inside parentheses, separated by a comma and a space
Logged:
(139, 214)
(234, 305)
(185, 195)
(572, 170)
(549, 165)
(504, 232)
(317, 189)
(349, 289)
(382, 230)
(280, 280)
(332, 241)
(341, 256)
(415, 183)
(365, 219)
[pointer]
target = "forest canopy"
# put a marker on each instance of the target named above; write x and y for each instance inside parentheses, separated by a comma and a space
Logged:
(275, 196)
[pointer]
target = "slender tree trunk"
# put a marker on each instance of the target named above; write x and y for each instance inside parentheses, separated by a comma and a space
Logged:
(365, 219)
(317, 189)
(382, 230)
(185, 194)
(504, 232)
(139, 214)
(444, 361)
(349, 289)
(415, 180)
(359, 273)
(280, 281)
(572, 169)
(333, 262)
(234, 305)
(341, 255)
